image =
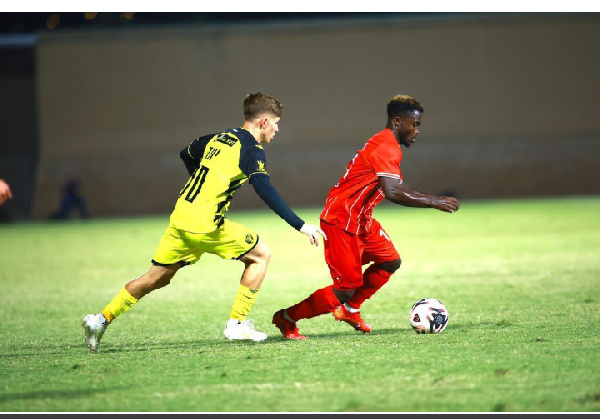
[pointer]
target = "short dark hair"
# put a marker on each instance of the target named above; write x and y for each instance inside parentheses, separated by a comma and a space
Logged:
(256, 104)
(400, 105)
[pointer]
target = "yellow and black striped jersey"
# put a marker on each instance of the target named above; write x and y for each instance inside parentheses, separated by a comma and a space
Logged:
(219, 165)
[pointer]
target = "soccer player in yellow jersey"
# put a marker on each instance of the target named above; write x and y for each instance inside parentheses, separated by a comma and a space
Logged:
(218, 164)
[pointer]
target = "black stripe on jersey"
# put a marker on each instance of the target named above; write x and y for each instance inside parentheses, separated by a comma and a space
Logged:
(233, 186)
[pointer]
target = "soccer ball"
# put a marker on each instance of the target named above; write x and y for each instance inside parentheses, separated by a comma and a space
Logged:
(428, 315)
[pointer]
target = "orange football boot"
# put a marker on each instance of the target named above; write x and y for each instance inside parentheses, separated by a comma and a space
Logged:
(353, 319)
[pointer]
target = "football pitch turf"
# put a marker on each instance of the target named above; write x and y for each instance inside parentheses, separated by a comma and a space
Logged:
(520, 279)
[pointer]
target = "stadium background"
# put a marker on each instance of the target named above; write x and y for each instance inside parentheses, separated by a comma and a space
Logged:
(511, 102)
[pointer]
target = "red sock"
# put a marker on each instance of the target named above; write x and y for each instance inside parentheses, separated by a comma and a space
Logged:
(373, 279)
(319, 302)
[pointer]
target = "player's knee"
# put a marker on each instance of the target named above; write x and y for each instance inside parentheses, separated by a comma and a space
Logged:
(391, 266)
(261, 254)
(266, 253)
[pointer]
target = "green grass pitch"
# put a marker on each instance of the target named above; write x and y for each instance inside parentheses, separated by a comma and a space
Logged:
(520, 279)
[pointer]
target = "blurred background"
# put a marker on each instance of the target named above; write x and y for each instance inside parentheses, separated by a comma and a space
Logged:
(98, 105)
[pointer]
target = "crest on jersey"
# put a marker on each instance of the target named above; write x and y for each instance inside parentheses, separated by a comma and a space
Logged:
(261, 166)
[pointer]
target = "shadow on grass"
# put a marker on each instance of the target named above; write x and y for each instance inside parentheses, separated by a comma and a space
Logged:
(210, 344)
(349, 333)
(202, 344)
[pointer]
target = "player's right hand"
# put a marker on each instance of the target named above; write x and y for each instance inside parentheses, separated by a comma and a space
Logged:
(447, 204)
(5, 192)
(312, 231)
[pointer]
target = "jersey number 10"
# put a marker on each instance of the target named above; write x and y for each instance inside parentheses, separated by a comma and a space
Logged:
(194, 184)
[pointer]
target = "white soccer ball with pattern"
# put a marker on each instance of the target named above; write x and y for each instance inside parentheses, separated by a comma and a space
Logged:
(428, 315)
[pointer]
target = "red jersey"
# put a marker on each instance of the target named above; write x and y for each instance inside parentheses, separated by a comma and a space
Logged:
(350, 202)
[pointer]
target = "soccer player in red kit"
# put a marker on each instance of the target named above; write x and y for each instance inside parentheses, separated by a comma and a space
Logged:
(354, 237)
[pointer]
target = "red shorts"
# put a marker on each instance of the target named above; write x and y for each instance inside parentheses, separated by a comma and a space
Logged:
(345, 253)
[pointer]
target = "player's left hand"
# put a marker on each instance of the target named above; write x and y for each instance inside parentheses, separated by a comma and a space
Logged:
(312, 231)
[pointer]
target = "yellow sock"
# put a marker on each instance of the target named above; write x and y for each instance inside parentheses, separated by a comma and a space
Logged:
(244, 300)
(119, 305)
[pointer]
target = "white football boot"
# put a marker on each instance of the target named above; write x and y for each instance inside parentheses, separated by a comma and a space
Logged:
(243, 330)
(94, 326)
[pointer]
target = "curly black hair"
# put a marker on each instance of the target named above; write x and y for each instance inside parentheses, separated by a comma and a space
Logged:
(400, 105)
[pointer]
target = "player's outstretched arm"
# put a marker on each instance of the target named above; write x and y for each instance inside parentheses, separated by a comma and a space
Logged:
(269, 194)
(400, 193)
